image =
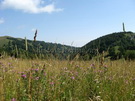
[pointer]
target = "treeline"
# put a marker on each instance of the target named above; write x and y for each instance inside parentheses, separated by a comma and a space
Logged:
(38, 49)
(115, 45)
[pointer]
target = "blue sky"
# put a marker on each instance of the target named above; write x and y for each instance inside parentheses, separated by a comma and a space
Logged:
(67, 22)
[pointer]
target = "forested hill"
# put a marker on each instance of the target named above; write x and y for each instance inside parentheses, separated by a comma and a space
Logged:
(115, 45)
(18, 47)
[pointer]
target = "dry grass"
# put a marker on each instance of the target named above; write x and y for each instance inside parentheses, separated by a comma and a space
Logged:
(54, 80)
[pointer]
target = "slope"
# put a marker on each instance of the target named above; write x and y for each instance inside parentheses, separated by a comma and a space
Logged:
(116, 45)
(17, 47)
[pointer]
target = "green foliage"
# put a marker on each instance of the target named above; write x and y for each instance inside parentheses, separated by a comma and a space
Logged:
(130, 54)
(26, 44)
(38, 49)
(115, 44)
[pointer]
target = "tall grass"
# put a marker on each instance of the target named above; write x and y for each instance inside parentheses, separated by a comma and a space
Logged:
(26, 44)
(54, 80)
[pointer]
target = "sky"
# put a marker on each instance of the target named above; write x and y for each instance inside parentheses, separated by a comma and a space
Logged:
(69, 22)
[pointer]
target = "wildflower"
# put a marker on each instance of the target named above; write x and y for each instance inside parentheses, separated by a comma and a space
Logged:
(36, 69)
(52, 83)
(105, 68)
(9, 64)
(13, 99)
(100, 71)
(126, 82)
(110, 78)
(73, 77)
(76, 73)
(77, 66)
(37, 78)
(44, 74)
(23, 76)
(92, 66)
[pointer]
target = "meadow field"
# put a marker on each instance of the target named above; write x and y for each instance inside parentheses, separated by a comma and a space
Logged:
(55, 80)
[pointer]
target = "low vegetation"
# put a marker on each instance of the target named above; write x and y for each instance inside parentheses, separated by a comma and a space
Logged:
(54, 80)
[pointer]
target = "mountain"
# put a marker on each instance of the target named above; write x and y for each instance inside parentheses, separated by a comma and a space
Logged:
(115, 46)
(18, 47)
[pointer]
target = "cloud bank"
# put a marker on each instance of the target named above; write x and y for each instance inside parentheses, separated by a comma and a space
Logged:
(29, 6)
(1, 20)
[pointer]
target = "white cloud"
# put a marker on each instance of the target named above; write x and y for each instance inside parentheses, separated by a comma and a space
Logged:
(29, 6)
(2, 20)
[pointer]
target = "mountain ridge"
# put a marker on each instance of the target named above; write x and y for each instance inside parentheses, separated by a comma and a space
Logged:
(117, 45)
(121, 40)
(16, 46)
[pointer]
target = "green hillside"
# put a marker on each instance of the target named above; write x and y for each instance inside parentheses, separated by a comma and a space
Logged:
(4, 40)
(16, 47)
(115, 45)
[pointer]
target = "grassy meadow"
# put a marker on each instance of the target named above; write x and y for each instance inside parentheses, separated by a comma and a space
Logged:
(54, 80)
